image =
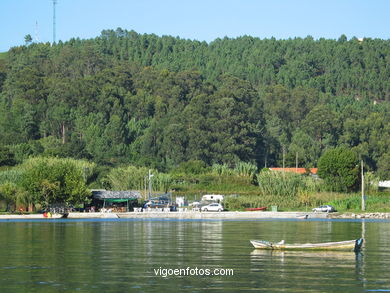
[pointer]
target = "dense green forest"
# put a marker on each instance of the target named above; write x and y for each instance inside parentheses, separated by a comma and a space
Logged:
(126, 98)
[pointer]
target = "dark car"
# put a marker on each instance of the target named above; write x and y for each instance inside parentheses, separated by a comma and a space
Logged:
(325, 209)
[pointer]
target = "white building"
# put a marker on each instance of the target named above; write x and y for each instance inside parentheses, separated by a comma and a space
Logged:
(384, 184)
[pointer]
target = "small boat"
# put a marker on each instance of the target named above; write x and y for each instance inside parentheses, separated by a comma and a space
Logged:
(349, 245)
(256, 209)
(302, 217)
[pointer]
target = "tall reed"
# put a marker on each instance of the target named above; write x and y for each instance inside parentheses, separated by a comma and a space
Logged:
(245, 169)
(221, 169)
(127, 178)
(136, 178)
(13, 175)
(285, 183)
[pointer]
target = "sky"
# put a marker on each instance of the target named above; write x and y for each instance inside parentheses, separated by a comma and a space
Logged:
(203, 20)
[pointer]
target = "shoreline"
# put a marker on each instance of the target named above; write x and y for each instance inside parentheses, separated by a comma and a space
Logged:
(247, 215)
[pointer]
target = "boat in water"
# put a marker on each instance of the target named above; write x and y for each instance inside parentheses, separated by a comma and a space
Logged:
(349, 245)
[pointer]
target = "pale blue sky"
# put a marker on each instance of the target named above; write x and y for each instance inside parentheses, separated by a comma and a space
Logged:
(203, 20)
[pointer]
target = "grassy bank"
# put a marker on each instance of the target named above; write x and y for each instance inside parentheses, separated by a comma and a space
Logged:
(375, 202)
(194, 186)
(289, 192)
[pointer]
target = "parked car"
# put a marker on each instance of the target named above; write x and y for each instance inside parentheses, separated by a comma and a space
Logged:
(213, 207)
(325, 208)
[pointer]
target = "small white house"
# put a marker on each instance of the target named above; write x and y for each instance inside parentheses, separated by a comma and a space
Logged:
(212, 197)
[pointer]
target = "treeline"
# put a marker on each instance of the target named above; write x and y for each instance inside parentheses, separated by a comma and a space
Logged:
(125, 98)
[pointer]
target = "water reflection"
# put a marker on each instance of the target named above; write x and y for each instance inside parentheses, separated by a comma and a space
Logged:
(310, 258)
(119, 256)
(210, 239)
(332, 255)
(316, 270)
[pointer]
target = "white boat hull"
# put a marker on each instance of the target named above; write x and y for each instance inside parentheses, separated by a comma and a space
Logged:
(349, 245)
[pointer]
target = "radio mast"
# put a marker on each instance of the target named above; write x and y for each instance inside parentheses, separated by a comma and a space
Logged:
(54, 20)
(36, 32)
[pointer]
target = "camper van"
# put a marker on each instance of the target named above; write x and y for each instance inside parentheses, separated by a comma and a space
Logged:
(212, 197)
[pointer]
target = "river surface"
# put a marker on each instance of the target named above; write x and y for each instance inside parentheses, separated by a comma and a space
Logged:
(128, 255)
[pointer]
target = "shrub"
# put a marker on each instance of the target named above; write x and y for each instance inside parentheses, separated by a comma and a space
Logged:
(55, 180)
(339, 169)
(13, 195)
(7, 157)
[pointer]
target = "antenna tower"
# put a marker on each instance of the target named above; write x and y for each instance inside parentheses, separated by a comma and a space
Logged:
(54, 20)
(36, 32)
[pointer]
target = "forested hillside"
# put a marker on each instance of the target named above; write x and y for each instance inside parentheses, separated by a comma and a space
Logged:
(127, 98)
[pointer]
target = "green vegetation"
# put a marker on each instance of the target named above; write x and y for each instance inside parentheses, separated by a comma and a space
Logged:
(339, 168)
(142, 100)
(376, 202)
(205, 117)
(3, 55)
(43, 181)
(46, 181)
(133, 178)
(286, 184)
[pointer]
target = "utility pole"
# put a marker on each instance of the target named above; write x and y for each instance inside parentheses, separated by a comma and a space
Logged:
(145, 193)
(150, 184)
(363, 197)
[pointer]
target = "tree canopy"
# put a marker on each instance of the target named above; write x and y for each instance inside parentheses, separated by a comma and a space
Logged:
(144, 100)
(339, 168)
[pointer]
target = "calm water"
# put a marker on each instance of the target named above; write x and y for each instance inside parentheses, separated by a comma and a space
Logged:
(122, 256)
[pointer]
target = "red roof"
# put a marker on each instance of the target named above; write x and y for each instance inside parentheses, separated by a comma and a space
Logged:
(296, 170)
